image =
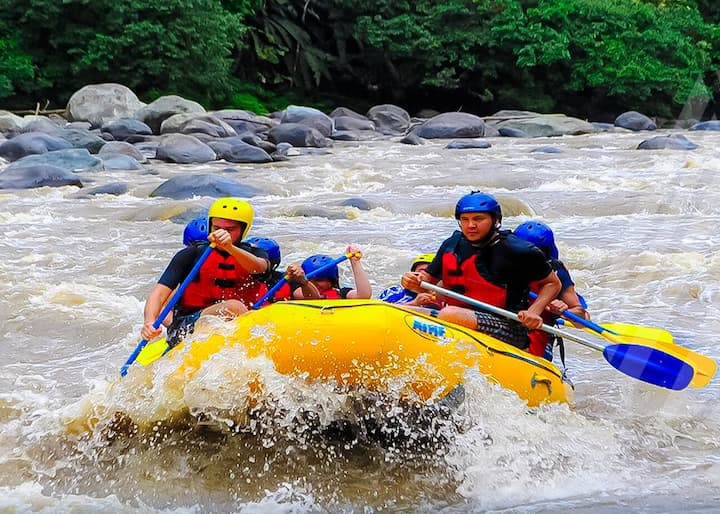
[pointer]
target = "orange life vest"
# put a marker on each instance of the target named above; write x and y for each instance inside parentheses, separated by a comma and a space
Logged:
(221, 278)
(464, 278)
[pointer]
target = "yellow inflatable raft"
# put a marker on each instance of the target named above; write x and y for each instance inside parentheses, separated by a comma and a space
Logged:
(375, 345)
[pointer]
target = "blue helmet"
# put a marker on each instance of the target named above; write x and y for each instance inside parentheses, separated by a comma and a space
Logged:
(540, 235)
(317, 261)
(479, 202)
(270, 246)
(196, 231)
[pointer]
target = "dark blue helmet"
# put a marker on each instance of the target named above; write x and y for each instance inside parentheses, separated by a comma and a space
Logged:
(196, 231)
(315, 262)
(270, 246)
(479, 202)
(540, 235)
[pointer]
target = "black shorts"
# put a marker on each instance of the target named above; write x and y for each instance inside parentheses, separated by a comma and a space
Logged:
(181, 327)
(506, 330)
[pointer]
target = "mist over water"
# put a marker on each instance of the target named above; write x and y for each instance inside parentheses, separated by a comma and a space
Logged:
(637, 229)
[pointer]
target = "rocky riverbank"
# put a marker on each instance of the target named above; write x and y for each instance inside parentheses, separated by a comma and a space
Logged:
(106, 127)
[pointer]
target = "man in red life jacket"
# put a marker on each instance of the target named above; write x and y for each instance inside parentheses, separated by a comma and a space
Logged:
(493, 266)
(226, 284)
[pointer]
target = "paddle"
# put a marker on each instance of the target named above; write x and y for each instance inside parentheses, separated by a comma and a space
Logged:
(638, 361)
(274, 289)
(703, 367)
(168, 307)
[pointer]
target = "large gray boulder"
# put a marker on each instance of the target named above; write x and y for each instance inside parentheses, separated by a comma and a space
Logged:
(80, 138)
(389, 119)
(125, 128)
(633, 120)
(197, 124)
(31, 143)
(234, 149)
(122, 148)
(671, 142)
(102, 103)
(183, 149)
(154, 113)
(120, 162)
(10, 122)
(297, 135)
(188, 186)
(28, 177)
(339, 112)
(43, 124)
(75, 160)
(245, 120)
(450, 125)
(353, 123)
(548, 125)
(308, 116)
(706, 125)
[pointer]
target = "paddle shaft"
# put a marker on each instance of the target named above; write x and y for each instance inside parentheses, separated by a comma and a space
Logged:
(274, 289)
(168, 307)
(509, 314)
(581, 321)
(650, 365)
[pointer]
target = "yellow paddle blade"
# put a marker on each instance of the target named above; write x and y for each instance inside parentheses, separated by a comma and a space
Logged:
(152, 352)
(651, 333)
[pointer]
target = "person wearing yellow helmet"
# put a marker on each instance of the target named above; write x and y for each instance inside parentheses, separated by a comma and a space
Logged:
(398, 294)
(226, 284)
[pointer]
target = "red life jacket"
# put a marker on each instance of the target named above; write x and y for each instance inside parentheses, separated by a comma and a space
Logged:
(331, 294)
(284, 293)
(466, 279)
(539, 339)
(221, 278)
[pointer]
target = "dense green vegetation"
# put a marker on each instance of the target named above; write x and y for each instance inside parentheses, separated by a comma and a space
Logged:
(585, 57)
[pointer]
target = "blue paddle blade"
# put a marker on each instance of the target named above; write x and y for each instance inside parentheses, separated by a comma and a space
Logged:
(649, 365)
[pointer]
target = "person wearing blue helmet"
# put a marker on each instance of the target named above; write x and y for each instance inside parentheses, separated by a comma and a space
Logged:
(195, 232)
(542, 236)
(326, 284)
(294, 277)
(491, 265)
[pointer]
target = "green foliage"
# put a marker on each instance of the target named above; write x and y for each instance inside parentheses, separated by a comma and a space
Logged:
(181, 45)
(247, 102)
(283, 45)
(262, 55)
(429, 43)
(631, 50)
(526, 53)
(16, 67)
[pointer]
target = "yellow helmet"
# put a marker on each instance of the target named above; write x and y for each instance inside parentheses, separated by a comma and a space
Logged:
(232, 209)
(425, 258)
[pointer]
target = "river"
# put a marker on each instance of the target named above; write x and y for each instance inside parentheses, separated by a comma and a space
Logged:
(639, 231)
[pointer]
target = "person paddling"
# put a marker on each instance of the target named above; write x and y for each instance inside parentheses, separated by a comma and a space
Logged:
(326, 284)
(493, 266)
(226, 284)
(401, 296)
(541, 343)
(195, 231)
